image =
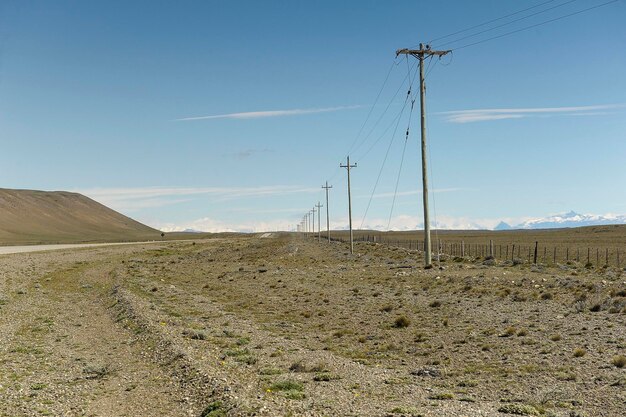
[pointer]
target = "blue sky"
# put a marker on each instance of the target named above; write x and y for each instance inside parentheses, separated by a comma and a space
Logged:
(111, 99)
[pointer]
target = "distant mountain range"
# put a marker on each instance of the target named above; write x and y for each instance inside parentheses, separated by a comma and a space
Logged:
(571, 219)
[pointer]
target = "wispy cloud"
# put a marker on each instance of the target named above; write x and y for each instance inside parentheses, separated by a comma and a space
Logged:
(247, 153)
(413, 192)
(130, 199)
(481, 115)
(268, 113)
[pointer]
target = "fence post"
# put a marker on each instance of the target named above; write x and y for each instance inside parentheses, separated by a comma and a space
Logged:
(618, 257)
(606, 257)
(535, 257)
(554, 256)
(545, 251)
(597, 257)
(567, 254)
(588, 252)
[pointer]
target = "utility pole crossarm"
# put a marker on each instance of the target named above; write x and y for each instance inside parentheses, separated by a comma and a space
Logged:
(417, 53)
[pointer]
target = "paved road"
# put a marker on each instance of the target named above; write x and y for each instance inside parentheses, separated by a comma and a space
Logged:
(4, 250)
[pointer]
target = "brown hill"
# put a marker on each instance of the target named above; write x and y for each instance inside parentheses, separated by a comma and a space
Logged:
(29, 217)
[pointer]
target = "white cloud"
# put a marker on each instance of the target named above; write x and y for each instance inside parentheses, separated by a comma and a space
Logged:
(268, 113)
(399, 222)
(479, 115)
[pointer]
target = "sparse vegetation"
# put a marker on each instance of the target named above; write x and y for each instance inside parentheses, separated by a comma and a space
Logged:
(215, 409)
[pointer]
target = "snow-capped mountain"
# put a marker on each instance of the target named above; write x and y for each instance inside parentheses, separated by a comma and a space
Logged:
(502, 226)
(571, 219)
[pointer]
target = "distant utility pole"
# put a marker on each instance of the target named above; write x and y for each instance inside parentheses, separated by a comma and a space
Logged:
(319, 225)
(348, 166)
(420, 54)
(313, 221)
(327, 220)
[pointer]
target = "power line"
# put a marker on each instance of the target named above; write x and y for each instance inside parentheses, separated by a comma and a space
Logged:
(393, 64)
(489, 21)
(384, 112)
(537, 24)
(382, 135)
(507, 23)
(410, 98)
(395, 191)
(395, 119)
(393, 136)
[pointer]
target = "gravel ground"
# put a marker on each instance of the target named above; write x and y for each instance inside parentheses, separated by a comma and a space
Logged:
(283, 326)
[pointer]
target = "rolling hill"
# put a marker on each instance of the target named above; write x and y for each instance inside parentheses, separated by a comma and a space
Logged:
(30, 217)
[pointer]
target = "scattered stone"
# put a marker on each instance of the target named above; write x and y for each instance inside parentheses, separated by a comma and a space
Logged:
(428, 372)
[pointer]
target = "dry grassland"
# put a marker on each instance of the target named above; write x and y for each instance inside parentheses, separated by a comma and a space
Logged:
(285, 326)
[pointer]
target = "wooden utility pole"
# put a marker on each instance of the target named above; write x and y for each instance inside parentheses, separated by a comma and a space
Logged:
(312, 217)
(308, 223)
(420, 54)
(319, 225)
(327, 187)
(348, 166)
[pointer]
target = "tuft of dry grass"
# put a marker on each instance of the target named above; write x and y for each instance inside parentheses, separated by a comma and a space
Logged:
(619, 361)
(401, 322)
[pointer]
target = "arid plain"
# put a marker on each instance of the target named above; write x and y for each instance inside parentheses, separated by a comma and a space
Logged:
(284, 325)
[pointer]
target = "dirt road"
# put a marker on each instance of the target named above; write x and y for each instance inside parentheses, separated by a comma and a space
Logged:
(5, 250)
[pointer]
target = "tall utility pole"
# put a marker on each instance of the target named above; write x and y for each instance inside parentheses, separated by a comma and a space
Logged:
(319, 225)
(348, 166)
(313, 221)
(420, 54)
(327, 219)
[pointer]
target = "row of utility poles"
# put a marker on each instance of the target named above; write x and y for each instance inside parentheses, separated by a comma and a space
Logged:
(307, 225)
(308, 222)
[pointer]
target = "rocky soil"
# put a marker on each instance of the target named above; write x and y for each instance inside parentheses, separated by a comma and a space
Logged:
(287, 326)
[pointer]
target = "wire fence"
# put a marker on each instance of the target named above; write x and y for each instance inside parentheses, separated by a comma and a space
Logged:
(518, 253)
